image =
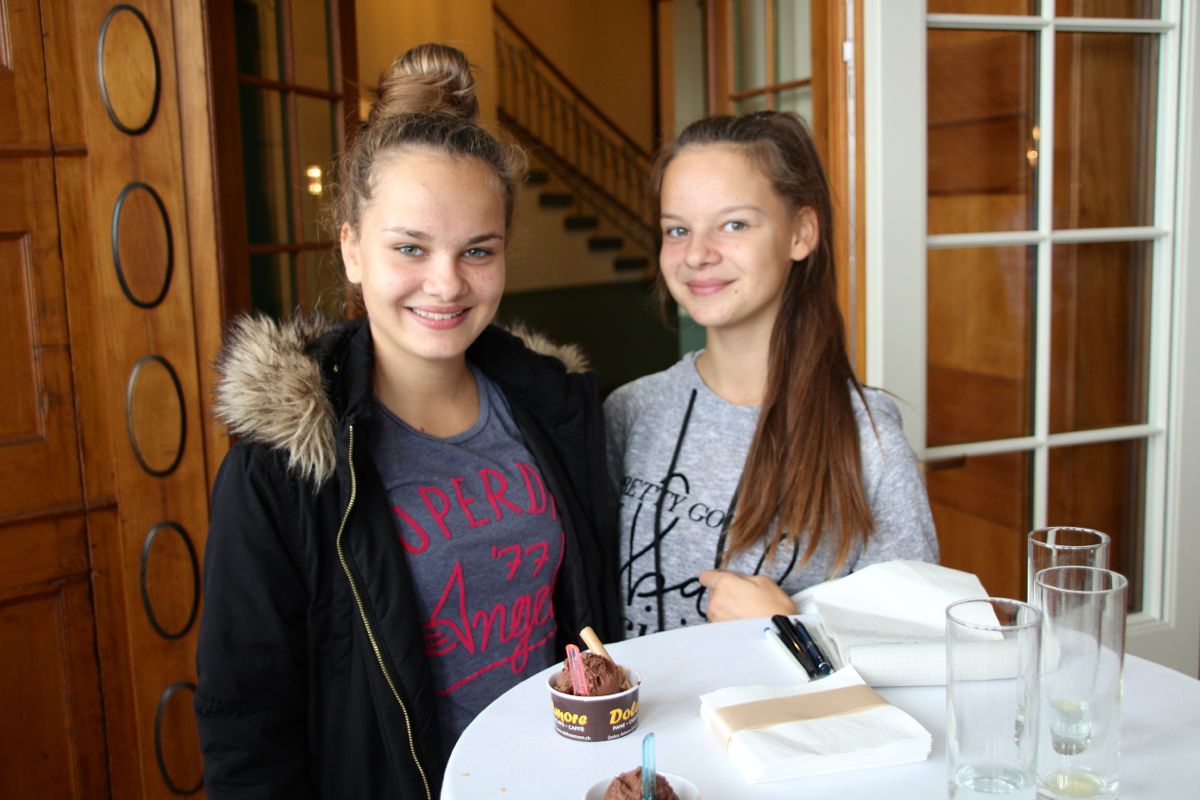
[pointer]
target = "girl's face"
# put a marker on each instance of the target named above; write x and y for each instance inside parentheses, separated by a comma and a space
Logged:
(429, 255)
(728, 238)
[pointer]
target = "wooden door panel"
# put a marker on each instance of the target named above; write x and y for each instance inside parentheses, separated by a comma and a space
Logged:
(39, 463)
(23, 105)
(52, 736)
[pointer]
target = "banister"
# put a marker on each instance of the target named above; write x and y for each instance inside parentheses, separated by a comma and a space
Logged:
(557, 73)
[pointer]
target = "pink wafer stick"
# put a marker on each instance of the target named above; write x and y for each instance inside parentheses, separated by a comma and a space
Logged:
(575, 667)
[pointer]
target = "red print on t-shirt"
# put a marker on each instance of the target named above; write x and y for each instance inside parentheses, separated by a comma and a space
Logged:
(500, 624)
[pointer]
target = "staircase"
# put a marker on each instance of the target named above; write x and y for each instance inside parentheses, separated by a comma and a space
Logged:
(588, 186)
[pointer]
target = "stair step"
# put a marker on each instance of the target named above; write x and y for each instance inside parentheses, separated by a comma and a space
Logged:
(556, 199)
(605, 243)
(537, 177)
(581, 223)
(630, 263)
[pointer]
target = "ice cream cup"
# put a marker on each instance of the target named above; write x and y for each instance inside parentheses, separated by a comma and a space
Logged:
(682, 786)
(598, 718)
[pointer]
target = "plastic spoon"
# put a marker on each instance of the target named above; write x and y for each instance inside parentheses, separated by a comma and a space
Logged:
(575, 667)
(648, 773)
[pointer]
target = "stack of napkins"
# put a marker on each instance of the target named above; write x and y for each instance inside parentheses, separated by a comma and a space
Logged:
(889, 619)
(836, 724)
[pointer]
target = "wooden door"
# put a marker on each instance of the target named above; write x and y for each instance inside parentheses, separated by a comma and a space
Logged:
(51, 738)
(103, 480)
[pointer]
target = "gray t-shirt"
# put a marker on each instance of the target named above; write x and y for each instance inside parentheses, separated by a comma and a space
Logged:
(676, 484)
(484, 542)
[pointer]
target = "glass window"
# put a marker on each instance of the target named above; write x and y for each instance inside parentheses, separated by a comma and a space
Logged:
(1102, 486)
(312, 52)
(981, 509)
(264, 165)
(1129, 9)
(1100, 340)
(257, 27)
(1022, 7)
(979, 372)
(316, 131)
(1104, 151)
(982, 130)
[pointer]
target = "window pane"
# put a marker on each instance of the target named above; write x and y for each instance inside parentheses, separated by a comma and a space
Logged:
(1100, 335)
(793, 39)
(751, 104)
(1104, 151)
(982, 130)
(272, 284)
(1131, 9)
(981, 508)
(979, 368)
(257, 28)
(1024, 7)
(749, 45)
(1102, 486)
(323, 282)
(311, 44)
(316, 134)
(264, 166)
(797, 100)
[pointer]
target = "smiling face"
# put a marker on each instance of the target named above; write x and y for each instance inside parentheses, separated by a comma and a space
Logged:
(729, 239)
(429, 256)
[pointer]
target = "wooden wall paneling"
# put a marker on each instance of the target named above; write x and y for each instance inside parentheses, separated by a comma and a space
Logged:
(199, 163)
(162, 418)
(52, 740)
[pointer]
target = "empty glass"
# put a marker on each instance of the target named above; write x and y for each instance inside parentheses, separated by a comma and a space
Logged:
(1083, 657)
(992, 657)
(1062, 546)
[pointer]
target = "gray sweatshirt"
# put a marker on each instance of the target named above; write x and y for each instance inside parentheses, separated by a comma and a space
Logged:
(676, 471)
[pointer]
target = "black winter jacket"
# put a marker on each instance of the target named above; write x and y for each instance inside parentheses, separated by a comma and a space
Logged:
(312, 674)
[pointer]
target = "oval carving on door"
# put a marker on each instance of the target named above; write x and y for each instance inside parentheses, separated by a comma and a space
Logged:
(155, 416)
(128, 70)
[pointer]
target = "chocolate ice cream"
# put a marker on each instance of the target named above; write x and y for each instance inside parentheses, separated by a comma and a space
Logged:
(628, 786)
(603, 676)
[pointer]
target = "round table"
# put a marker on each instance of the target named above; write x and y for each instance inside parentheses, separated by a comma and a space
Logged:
(512, 751)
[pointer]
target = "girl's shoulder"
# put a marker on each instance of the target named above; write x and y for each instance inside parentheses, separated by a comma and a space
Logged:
(653, 389)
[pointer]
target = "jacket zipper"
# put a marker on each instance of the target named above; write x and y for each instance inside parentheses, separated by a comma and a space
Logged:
(366, 623)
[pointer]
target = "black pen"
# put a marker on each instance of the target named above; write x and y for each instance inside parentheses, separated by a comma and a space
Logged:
(787, 634)
(810, 646)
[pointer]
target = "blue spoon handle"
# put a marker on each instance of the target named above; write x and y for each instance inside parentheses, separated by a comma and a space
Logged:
(648, 767)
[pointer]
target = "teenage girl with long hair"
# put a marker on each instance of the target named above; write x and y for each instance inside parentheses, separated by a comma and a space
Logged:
(760, 465)
(416, 515)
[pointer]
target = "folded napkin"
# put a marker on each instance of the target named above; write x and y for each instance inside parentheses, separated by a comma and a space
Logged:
(836, 724)
(889, 619)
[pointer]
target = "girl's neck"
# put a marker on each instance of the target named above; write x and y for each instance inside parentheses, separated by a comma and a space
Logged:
(439, 398)
(735, 366)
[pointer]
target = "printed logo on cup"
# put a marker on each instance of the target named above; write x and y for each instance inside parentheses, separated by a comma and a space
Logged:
(596, 719)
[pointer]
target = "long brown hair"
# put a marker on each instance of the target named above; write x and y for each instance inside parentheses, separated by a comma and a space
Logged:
(804, 470)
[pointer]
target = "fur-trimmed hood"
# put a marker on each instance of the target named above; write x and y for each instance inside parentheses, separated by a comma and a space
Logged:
(272, 390)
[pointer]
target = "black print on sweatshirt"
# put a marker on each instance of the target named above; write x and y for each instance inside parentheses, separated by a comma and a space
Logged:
(660, 506)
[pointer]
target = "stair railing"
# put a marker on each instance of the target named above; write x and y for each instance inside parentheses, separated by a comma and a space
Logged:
(581, 144)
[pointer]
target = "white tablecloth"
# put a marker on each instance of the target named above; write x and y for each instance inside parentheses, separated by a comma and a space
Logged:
(512, 751)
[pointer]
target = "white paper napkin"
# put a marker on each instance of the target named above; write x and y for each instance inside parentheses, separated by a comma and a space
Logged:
(879, 736)
(889, 619)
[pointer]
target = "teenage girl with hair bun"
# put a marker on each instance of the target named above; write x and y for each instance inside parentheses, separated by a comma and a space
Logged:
(758, 466)
(414, 516)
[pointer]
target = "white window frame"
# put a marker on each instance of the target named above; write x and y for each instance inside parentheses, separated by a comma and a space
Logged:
(1167, 628)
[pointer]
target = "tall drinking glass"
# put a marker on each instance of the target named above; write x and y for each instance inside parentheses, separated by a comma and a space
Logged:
(992, 652)
(1083, 657)
(1062, 546)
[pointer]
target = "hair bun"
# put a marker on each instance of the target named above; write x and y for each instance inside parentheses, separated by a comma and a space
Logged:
(428, 78)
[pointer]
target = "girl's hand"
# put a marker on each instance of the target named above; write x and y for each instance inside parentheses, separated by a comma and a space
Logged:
(732, 595)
